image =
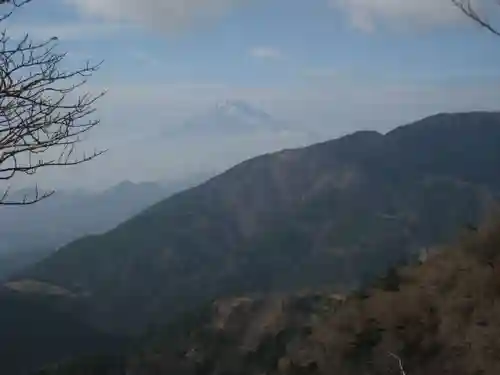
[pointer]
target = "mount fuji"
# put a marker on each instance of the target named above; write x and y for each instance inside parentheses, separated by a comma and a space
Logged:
(213, 139)
(237, 118)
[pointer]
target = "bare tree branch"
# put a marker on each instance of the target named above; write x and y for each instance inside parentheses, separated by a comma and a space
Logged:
(26, 199)
(42, 117)
(467, 7)
(14, 4)
(400, 363)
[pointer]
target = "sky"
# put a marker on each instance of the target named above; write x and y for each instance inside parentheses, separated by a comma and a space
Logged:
(331, 66)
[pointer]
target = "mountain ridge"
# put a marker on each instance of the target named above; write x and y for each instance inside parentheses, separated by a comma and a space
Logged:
(73, 214)
(288, 220)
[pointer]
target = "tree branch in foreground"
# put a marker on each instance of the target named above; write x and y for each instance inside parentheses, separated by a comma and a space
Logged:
(400, 363)
(42, 116)
(467, 7)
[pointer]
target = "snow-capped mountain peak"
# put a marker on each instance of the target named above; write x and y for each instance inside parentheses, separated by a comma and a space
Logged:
(241, 110)
(230, 116)
(238, 120)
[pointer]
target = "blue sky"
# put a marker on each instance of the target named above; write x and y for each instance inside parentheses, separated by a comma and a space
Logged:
(332, 65)
(294, 38)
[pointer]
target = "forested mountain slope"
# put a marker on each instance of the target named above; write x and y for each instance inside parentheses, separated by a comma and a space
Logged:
(439, 317)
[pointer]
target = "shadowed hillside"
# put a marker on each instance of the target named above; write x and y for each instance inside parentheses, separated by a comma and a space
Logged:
(440, 317)
(40, 329)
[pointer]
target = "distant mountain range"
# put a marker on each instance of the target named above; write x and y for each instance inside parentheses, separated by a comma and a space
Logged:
(31, 232)
(331, 216)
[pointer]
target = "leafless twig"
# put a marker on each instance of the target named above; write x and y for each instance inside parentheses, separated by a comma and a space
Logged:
(467, 7)
(400, 363)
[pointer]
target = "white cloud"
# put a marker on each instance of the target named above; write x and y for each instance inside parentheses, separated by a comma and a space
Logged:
(368, 14)
(269, 53)
(175, 15)
(165, 15)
